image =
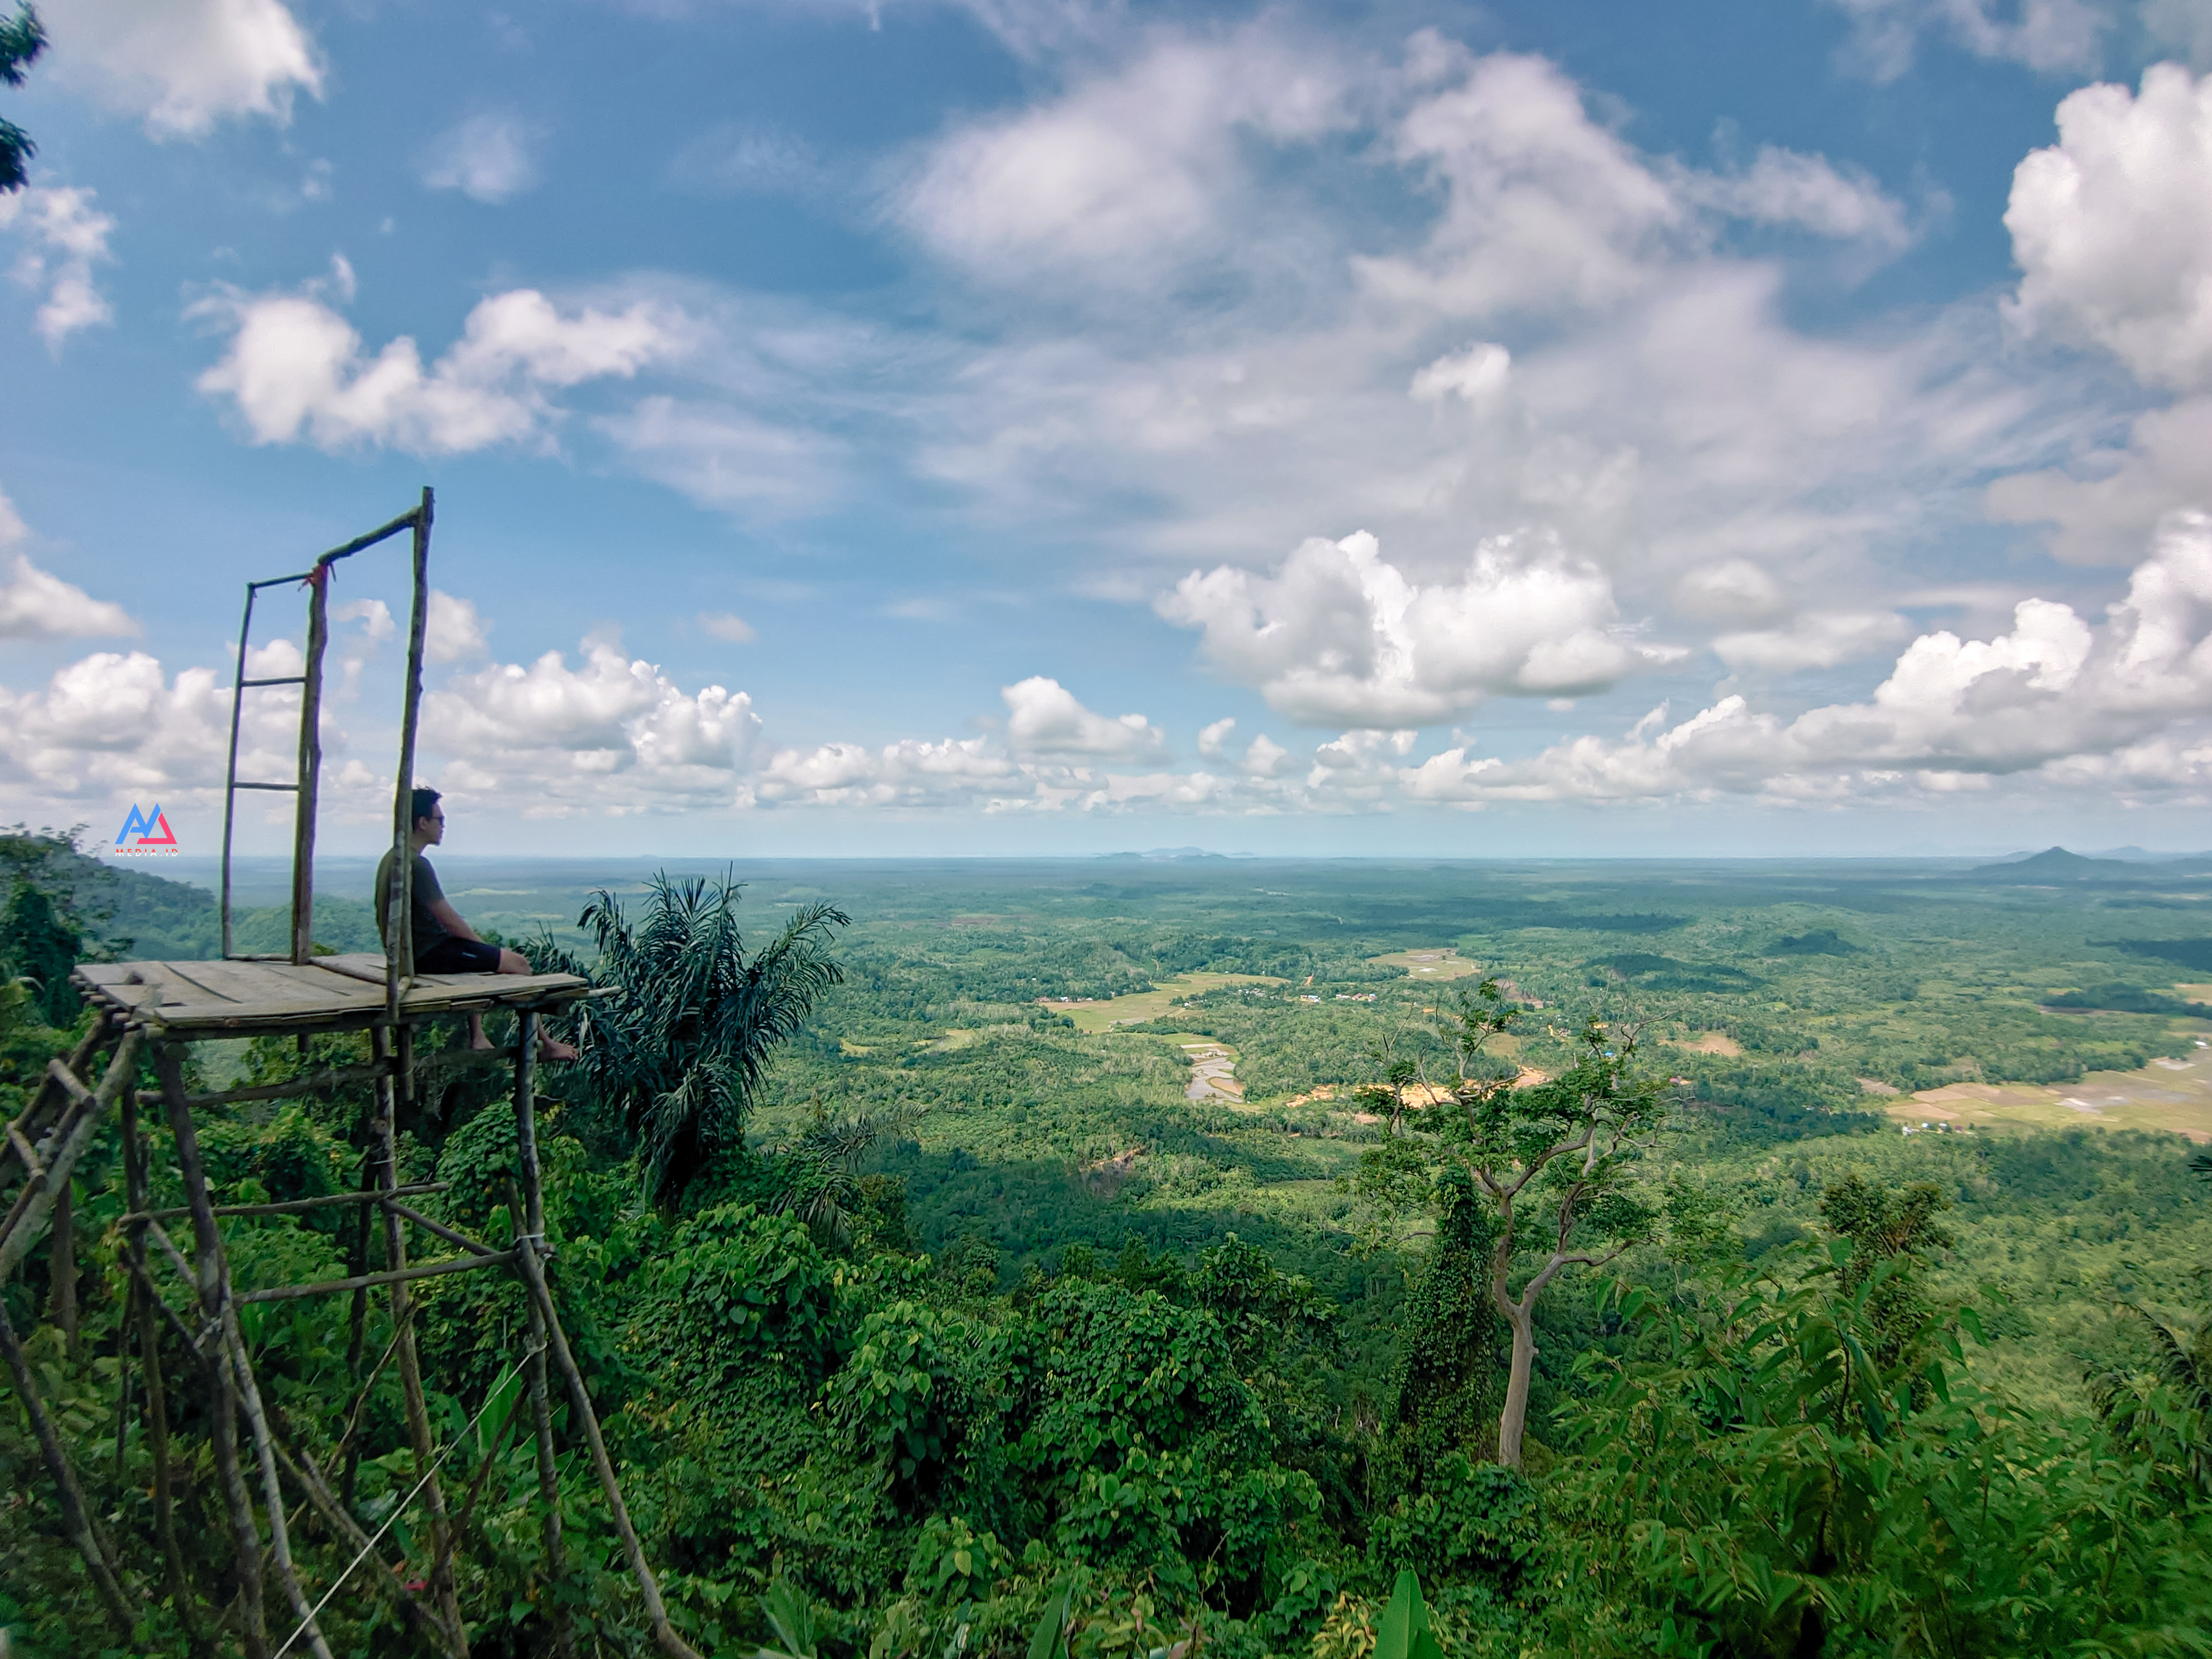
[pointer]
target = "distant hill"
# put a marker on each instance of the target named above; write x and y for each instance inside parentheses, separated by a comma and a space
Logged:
(2053, 865)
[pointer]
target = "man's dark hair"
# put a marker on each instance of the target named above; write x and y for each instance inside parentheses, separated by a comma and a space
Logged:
(425, 803)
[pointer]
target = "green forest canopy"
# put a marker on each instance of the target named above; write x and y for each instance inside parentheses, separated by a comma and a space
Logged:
(926, 1348)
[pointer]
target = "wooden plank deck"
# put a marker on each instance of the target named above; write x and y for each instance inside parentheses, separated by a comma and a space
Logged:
(210, 999)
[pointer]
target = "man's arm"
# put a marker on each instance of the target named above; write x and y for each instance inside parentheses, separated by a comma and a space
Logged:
(450, 919)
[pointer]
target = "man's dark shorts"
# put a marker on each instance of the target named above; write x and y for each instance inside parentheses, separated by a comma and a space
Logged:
(459, 956)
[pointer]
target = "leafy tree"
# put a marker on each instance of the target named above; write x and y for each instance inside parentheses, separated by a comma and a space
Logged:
(1557, 1162)
(22, 38)
(1890, 1233)
(38, 946)
(682, 1047)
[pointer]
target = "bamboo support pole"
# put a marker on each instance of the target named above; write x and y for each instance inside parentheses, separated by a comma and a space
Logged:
(527, 1248)
(309, 1478)
(386, 1155)
(72, 1137)
(440, 1230)
(272, 1492)
(394, 1279)
(310, 771)
(230, 776)
(527, 1223)
(291, 1205)
(212, 1276)
(150, 1366)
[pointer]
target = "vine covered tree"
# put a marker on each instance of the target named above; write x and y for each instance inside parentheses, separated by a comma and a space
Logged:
(22, 39)
(1558, 1161)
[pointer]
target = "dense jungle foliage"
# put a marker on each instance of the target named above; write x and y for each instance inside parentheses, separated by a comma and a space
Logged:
(950, 1324)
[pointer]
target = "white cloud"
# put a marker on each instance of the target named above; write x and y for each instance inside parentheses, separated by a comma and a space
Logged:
(2113, 226)
(295, 370)
(910, 773)
(112, 726)
(1044, 718)
(2048, 35)
(728, 627)
(1543, 209)
(1818, 639)
(2057, 692)
(1337, 635)
(1213, 740)
(1133, 168)
(68, 237)
(1783, 187)
(185, 64)
(614, 736)
(36, 605)
(486, 157)
(453, 631)
(1476, 375)
(726, 457)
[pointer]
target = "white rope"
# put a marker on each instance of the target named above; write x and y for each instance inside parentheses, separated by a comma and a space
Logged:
(400, 1508)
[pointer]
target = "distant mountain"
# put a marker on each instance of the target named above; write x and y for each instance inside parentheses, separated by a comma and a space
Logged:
(2055, 865)
(1166, 856)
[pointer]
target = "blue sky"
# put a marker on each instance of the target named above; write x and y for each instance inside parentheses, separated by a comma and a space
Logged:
(1741, 429)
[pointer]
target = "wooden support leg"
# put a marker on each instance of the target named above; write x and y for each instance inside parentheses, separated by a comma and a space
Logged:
(526, 1257)
(384, 1152)
(71, 1136)
(76, 1516)
(150, 1361)
(357, 1332)
(303, 1469)
(211, 1274)
(528, 1221)
(272, 1493)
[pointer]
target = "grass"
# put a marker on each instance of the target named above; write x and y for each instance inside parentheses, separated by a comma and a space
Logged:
(2173, 1095)
(1140, 1005)
(1444, 962)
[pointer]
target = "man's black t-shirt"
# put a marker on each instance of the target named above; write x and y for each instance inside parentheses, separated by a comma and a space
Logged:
(428, 931)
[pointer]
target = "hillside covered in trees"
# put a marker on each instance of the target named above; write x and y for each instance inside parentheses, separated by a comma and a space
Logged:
(1595, 1286)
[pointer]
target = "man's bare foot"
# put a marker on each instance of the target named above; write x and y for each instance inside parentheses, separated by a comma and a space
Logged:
(553, 1049)
(480, 1042)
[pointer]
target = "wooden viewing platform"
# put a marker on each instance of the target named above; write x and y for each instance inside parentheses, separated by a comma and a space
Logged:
(196, 1000)
(153, 1012)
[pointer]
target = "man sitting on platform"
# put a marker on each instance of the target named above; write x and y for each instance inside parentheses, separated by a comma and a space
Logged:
(444, 944)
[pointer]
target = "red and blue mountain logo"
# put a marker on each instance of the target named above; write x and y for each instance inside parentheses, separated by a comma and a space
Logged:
(154, 837)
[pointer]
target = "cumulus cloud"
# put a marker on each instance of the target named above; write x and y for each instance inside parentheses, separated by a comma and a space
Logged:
(613, 735)
(2048, 35)
(36, 605)
(453, 631)
(114, 726)
(1044, 718)
(1131, 168)
(913, 772)
(487, 158)
(67, 237)
(2113, 226)
(184, 65)
(1337, 635)
(2056, 692)
(295, 371)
